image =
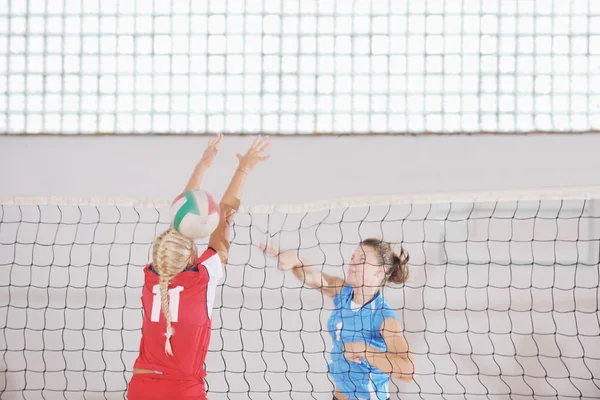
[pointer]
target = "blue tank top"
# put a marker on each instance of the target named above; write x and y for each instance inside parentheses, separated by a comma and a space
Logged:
(352, 323)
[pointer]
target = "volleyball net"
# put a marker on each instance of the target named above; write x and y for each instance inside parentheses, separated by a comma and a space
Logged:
(502, 301)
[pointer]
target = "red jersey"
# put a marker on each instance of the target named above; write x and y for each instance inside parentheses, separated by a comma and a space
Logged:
(191, 299)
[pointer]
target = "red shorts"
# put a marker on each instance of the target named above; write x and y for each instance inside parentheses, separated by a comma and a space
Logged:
(156, 386)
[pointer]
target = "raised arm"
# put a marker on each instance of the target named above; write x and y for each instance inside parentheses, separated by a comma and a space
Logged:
(205, 162)
(219, 240)
(306, 273)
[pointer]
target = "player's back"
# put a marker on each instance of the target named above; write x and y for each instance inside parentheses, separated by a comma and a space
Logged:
(191, 297)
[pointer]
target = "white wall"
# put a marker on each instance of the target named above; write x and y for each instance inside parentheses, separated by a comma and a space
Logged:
(301, 168)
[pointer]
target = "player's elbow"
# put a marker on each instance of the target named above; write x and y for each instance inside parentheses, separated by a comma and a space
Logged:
(405, 376)
(220, 244)
(223, 255)
(404, 370)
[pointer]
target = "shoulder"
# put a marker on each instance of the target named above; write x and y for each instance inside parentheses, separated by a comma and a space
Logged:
(343, 295)
(211, 261)
(207, 256)
(150, 281)
(150, 275)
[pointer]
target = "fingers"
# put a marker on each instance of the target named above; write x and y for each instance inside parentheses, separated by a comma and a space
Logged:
(259, 143)
(352, 358)
(257, 140)
(264, 248)
(271, 249)
(255, 152)
(351, 355)
(264, 145)
(215, 142)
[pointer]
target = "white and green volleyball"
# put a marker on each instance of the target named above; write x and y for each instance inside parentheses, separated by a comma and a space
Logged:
(195, 214)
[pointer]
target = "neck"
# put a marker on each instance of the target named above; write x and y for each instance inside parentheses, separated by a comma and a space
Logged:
(363, 294)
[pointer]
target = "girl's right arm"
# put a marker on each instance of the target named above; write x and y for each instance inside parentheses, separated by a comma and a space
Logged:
(307, 274)
(219, 240)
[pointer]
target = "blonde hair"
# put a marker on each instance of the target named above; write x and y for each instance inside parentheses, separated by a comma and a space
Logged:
(170, 256)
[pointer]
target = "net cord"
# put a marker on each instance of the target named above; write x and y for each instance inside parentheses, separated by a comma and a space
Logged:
(540, 194)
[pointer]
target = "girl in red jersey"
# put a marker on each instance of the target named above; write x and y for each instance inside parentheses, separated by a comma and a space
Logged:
(178, 295)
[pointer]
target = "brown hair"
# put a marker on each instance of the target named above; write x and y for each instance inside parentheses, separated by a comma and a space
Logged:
(170, 255)
(396, 265)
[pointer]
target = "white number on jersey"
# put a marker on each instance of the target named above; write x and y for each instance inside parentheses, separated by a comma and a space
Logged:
(338, 332)
(173, 303)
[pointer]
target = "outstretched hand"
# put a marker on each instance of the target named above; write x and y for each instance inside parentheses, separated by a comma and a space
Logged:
(211, 151)
(254, 154)
(286, 260)
(206, 161)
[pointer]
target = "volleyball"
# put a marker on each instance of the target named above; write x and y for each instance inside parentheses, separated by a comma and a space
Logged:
(195, 214)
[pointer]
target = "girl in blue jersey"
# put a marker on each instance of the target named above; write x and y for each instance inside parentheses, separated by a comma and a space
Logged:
(368, 344)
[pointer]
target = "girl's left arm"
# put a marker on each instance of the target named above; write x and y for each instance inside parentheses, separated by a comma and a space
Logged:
(397, 361)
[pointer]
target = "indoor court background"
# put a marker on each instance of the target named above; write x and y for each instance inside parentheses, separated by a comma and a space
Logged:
(502, 227)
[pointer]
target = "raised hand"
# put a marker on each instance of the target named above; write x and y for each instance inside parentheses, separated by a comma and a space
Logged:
(286, 260)
(206, 161)
(211, 151)
(254, 154)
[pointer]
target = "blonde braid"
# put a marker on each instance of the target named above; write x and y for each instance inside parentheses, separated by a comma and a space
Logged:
(164, 302)
(170, 255)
